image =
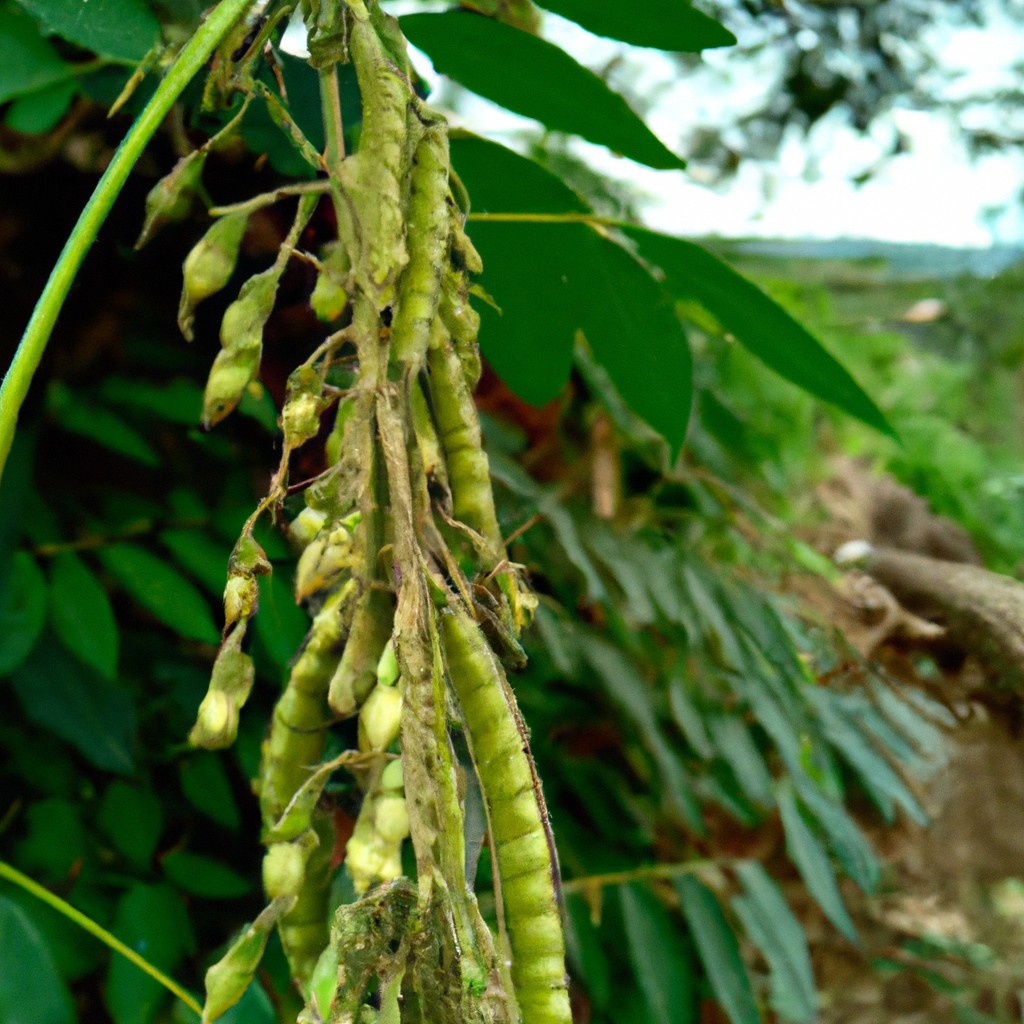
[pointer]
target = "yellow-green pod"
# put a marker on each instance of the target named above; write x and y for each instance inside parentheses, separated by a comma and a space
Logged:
(171, 198)
(230, 684)
(379, 718)
(209, 265)
(330, 294)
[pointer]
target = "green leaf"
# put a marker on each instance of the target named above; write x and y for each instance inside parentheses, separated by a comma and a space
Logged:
(688, 717)
(757, 322)
(106, 428)
(204, 876)
(31, 990)
(813, 864)
(585, 952)
(771, 926)
(660, 961)
(22, 610)
(152, 920)
(123, 29)
(161, 590)
(37, 112)
(847, 841)
(27, 61)
(132, 818)
(71, 700)
(81, 614)
(205, 559)
(54, 839)
(735, 744)
(572, 279)
(719, 950)
(180, 401)
(205, 784)
(661, 24)
(534, 78)
(281, 623)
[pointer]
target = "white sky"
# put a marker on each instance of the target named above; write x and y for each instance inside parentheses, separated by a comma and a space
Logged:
(934, 192)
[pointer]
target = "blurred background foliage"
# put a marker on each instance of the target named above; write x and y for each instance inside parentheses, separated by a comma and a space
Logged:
(718, 762)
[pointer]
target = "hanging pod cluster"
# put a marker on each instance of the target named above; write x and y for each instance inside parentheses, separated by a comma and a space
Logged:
(415, 608)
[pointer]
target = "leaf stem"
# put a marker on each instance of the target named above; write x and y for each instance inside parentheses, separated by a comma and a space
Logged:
(187, 65)
(591, 882)
(111, 941)
(570, 217)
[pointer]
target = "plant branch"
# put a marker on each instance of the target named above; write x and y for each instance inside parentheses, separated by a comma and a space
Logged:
(189, 62)
(14, 876)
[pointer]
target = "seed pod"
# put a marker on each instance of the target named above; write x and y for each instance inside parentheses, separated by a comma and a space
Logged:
(241, 599)
(230, 684)
(356, 674)
(306, 525)
(284, 865)
(249, 558)
(391, 819)
(323, 561)
(300, 417)
(379, 718)
(171, 198)
(229, 977)
(242, 324)
(209, 266)
(230, 375)
(387, 667)
(330, 295)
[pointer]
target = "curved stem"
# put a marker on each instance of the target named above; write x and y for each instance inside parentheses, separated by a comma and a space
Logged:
(186, 66)
(88, 924)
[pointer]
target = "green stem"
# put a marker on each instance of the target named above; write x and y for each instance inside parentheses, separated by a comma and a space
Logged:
(189, 62)
(111, 941)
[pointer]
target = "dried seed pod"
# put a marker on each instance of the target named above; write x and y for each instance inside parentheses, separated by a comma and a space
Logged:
(241, 598)
(356, 674)
(171, 198)
(326, 557)
(208, 266)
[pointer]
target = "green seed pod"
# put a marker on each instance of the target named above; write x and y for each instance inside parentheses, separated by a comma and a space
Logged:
(391, 819)
(242, 324)
(209, 266)
(335, 442)
(230, 375)
(306, 525)
(284, 865)
(325, 558)
(303, 404)
(391, 777)
(387, 667)
(171, 198)
(230, 684)
(330, 295)
(229, 977)
(248, 558)
(356, 674)
(379, 718)
(241, 599)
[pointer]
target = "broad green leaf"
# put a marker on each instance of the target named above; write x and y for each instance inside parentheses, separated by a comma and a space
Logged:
(735, 744)
(31, 990)
(180, 401)
(152, 920)
(551, 280)
(281, 623)
(756, 321)
(771, 926)
(585, 952)
(205, 783)
(880, 780)
(34, 113)
(123, 29)
(22, 610)
(254, 1007)
(71, 700)
(535, 78)
(719, 951)
(204, 876)
(661, 962)
(813, 864)
(847, 841)
(54, 839)
(132, 818)
(205, 559)
(98, 424)
(688, 717)
(81, 614)
(27, 61)
(660, 24)
(161, 590)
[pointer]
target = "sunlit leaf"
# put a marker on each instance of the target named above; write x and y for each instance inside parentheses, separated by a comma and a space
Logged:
(660, 961)
(152, 920)
(489, 58)
(22, 610)
(81, 614)
(161, 590)
(661, 24)
(773, 928)
(719, 951)
(31, 990)
(124, 29)
(756, 321)
(813, 864)
(71, 700)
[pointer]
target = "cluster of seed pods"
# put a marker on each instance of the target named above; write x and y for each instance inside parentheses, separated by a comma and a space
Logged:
(415, 608)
